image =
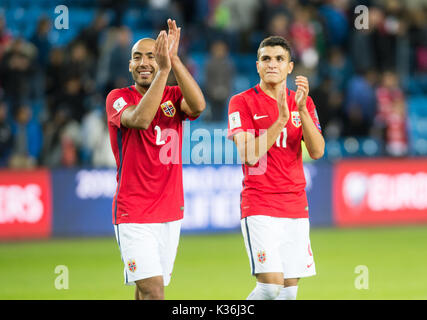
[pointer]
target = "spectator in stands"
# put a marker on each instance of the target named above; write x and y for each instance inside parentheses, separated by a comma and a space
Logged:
(6, 138)
(418, 39)
(5, 36)
(338, 68)
(73, 98)
(391, 114)
(395, 40)
(118, 74)
(16, 73)
(41, 41)
(82, 66)
(96, 139)
(360, 105)
(301, 32)
(219, 78)
(54, 80)
(279, 26)
(237, 19)
(62, 139)
(159, 11)
(91, 35)
(119, 8)
(334, 14)
(329, 101)
(27, 140)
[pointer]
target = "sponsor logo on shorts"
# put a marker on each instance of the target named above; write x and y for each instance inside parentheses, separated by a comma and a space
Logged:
(261, 256)
(131, 265)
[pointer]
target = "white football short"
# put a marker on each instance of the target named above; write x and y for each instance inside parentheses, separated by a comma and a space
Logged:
(279, 245)
(148, 249)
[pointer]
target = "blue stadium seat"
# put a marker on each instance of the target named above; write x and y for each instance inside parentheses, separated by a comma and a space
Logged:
(132, 19)
(142, 33)
(417, 124)
(418, 105)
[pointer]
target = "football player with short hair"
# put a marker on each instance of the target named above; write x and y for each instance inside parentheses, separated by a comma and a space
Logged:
(268, 123)
(149, 201)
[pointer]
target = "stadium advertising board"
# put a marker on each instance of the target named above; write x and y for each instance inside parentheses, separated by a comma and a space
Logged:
(375, 192)
(318, 176)
(82, 201)
(212, 198)
(25, 204)
(78, 202)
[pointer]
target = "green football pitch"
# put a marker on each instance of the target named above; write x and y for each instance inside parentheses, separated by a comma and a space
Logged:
(365, 263)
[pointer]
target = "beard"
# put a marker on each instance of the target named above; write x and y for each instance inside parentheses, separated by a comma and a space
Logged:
(143, 83)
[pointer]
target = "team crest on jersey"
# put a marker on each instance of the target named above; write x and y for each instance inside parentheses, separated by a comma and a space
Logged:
(168, 108)
(261, 256)
(296, 119)
(131, 265)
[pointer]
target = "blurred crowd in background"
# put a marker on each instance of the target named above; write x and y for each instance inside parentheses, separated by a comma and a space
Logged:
(369, 85)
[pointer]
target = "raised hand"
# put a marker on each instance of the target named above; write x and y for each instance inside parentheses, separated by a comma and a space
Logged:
(174, 34)
(282, 104)
(161, 52)
(302, 92)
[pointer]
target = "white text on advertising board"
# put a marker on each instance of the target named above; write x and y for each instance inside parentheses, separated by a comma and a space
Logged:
(20, 203)
(386, 191)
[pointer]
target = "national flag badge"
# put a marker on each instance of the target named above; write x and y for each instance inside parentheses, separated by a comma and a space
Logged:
(168, 108)
(296, 119)
(131, 265)
(261, 256)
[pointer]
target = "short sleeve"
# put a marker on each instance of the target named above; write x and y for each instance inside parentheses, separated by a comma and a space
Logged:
(313, 113)
(117, 101)
(238, 118)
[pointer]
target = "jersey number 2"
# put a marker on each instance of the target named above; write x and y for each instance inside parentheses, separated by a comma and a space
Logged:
(283, 138)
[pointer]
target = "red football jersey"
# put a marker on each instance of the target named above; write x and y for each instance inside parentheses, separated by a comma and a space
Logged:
(276, 185)
(149, 162)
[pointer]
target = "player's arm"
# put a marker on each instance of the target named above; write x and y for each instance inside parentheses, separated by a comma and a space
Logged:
(141, 115)
(252, 149)
(313, 139)
(193, 102)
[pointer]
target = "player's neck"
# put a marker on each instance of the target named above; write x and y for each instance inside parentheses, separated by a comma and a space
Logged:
(271, 89)
(142, 90)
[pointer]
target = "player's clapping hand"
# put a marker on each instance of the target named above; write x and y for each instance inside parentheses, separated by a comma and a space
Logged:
(161, 52)
(302, 93)
(282, 104)
(174, 34)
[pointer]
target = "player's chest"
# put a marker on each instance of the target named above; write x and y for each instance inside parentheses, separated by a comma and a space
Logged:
(166, 125)
(264, 112)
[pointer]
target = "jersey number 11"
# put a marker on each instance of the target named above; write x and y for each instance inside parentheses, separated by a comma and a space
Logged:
(283, 138)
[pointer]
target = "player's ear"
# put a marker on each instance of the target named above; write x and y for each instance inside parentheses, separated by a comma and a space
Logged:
(291, 67)
(130, 62)
(257, 67)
